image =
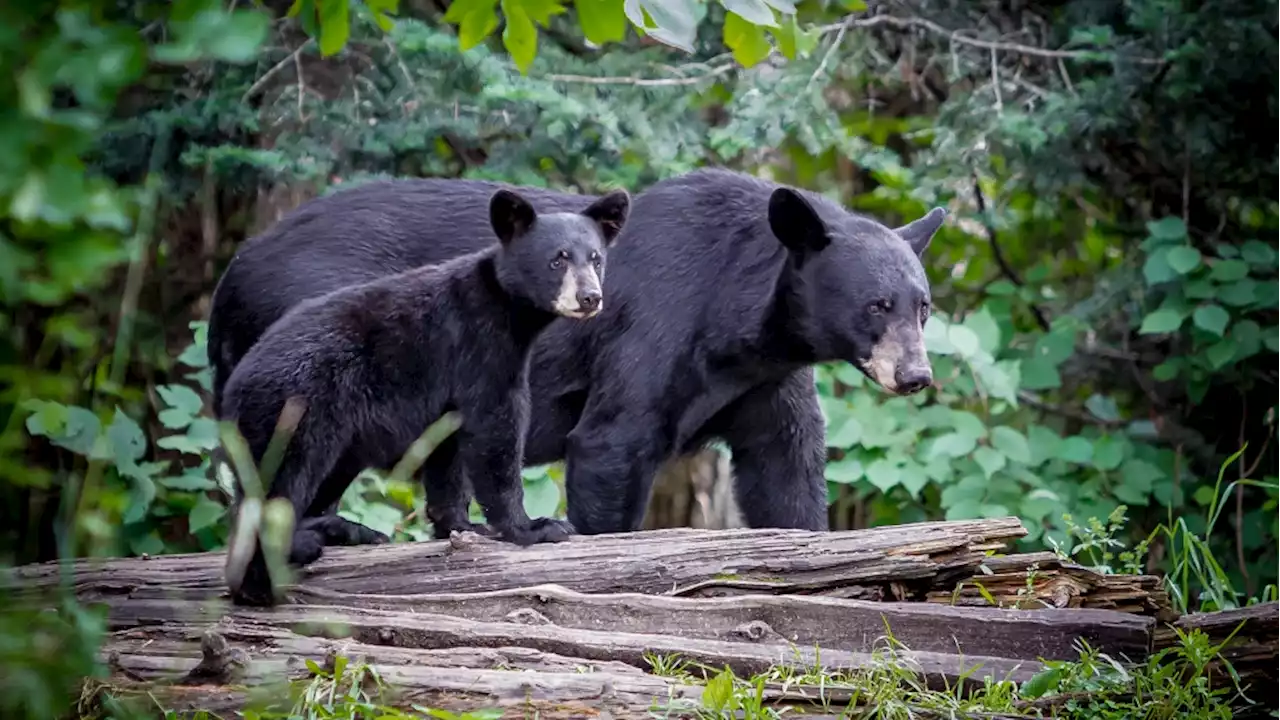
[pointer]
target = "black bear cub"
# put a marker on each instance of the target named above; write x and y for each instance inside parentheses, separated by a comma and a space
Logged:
(374, 364)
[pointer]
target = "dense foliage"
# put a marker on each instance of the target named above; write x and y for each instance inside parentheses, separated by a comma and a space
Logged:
(1106, 287)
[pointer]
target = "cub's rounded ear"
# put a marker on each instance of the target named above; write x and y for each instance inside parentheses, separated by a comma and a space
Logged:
(796, 224)
(609, 213)
(919, 233)
(510, 215)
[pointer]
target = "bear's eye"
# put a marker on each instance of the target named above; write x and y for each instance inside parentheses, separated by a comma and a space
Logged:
(595, 259)
(559, 260)
(879, 307)
(924, 312)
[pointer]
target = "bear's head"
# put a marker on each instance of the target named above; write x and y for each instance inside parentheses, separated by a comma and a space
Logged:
(856, 289)
(556, 260)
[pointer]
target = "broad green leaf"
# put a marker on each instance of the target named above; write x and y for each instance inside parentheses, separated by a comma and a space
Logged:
(1164, 320)
(520, 37)
(792, 41)
(935, 338)
(1011, 443)
(1001, 379)
(986, 329)
(189, 482)
(540, 11)
(1040, 504)
(1200, 289)
(1056, 345)
(175, 419)
(1108, 453)
(966, 423)
(142, 493)
(602, 20)
(1040, 374)
(1157, 269)
(971, 488)
(1102, 407)
(1165, 371)
(1229, 271)
(1043, 444)
(991, 461)
(1140, 474)
(848, 434)
(335, 26)
(756, 12)
(1221, 353)
(181, 397)
(854, 5)
(1248, 337)
(675, 21)
(240, 37)
(204, 514)
(1183, 259)
(1211, 318)
(747, 41)
(128, 443)
(953, 445)
(1076, 449)
(882, 474)
(541, 499)
(1167, 228)
(913, 478)
(1042, 683)
(475, 19)
(1238, 294)
(1259, 254)
(965, 510)
(844, 471)
(964, 340)
(1272, 339)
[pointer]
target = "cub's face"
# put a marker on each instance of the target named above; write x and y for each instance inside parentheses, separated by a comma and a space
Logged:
(557, 260)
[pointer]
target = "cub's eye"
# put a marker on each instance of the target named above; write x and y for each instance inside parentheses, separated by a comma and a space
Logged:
(560, 259)
(880, 307)
(925, 309)
(596, 259)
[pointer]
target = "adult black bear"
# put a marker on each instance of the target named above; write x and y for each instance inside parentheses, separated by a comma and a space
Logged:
(374, 364)
(712, 325)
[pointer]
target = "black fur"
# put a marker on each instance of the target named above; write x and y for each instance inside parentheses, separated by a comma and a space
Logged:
(732, 288)
(376, 363)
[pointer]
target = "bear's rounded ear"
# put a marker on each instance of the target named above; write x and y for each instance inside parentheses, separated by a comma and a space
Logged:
(920, 233)
(609, 213)
(796, 224)
(510, 215)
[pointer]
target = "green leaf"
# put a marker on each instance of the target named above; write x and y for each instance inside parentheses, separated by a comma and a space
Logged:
(1259, 254)
(475, 19)
(1200, 290)
(1102, 407)
(1211, 318)
(602, 20)
(1043, 444)
(1238, 294)
(520, 37)
(1108, 453)
(1183, 259)
(991, 461)
(1229, 271)
(1011, 443)
(1040, 374)
(1167, 228)
(792, 41)
(181, 397)
(1140, 474)
(966, 423)
(142, 494)
(128, 443)
(1076, 449)
(964, 510)
(952, 445)
(1164, 320)
(844, 471)
(1157, 269)
(1165, 371)
(848, 435)
(964, 340)
(1221, 353)
(935, 337)
(756, 12)
(675, 21)
(204, 514)
(541, 498)
(191, 481)
(913, 478)
(1040, 504)
(240, 37)
(1043, 682)
(335, 26)
(747, 41)
(986, 329)
(1056, 345)
(882, 474)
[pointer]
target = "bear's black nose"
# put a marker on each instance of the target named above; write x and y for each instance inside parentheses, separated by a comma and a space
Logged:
(588, 300)
(913, 381)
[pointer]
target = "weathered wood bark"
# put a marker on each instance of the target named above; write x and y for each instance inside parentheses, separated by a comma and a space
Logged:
(1056, 584)
(900, 562)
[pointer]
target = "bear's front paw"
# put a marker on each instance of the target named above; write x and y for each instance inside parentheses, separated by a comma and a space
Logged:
(540, 530)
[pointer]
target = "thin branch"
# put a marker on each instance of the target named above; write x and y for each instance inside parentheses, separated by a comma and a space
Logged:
(262, 81)
(642, 82)
(826, 57)
(955, 37)
(995, 84)
(1005, 268)
(1039, 404)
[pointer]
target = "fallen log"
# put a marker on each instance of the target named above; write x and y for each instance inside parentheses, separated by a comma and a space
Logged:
(900, 562)
(1054, 584)
(1252, 642)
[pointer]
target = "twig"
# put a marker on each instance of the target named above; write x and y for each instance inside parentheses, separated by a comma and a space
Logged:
(641, 82)
(995, 84)
(1008, 271)
(956, 37)
(262, 81)
(1066, 78)
(1039, 404)
(826, 57)
(302, 86)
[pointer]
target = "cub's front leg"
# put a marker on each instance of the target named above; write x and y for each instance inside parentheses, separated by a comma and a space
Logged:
(490, 450)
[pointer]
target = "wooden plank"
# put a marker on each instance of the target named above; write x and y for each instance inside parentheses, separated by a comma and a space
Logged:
(1253, 652)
